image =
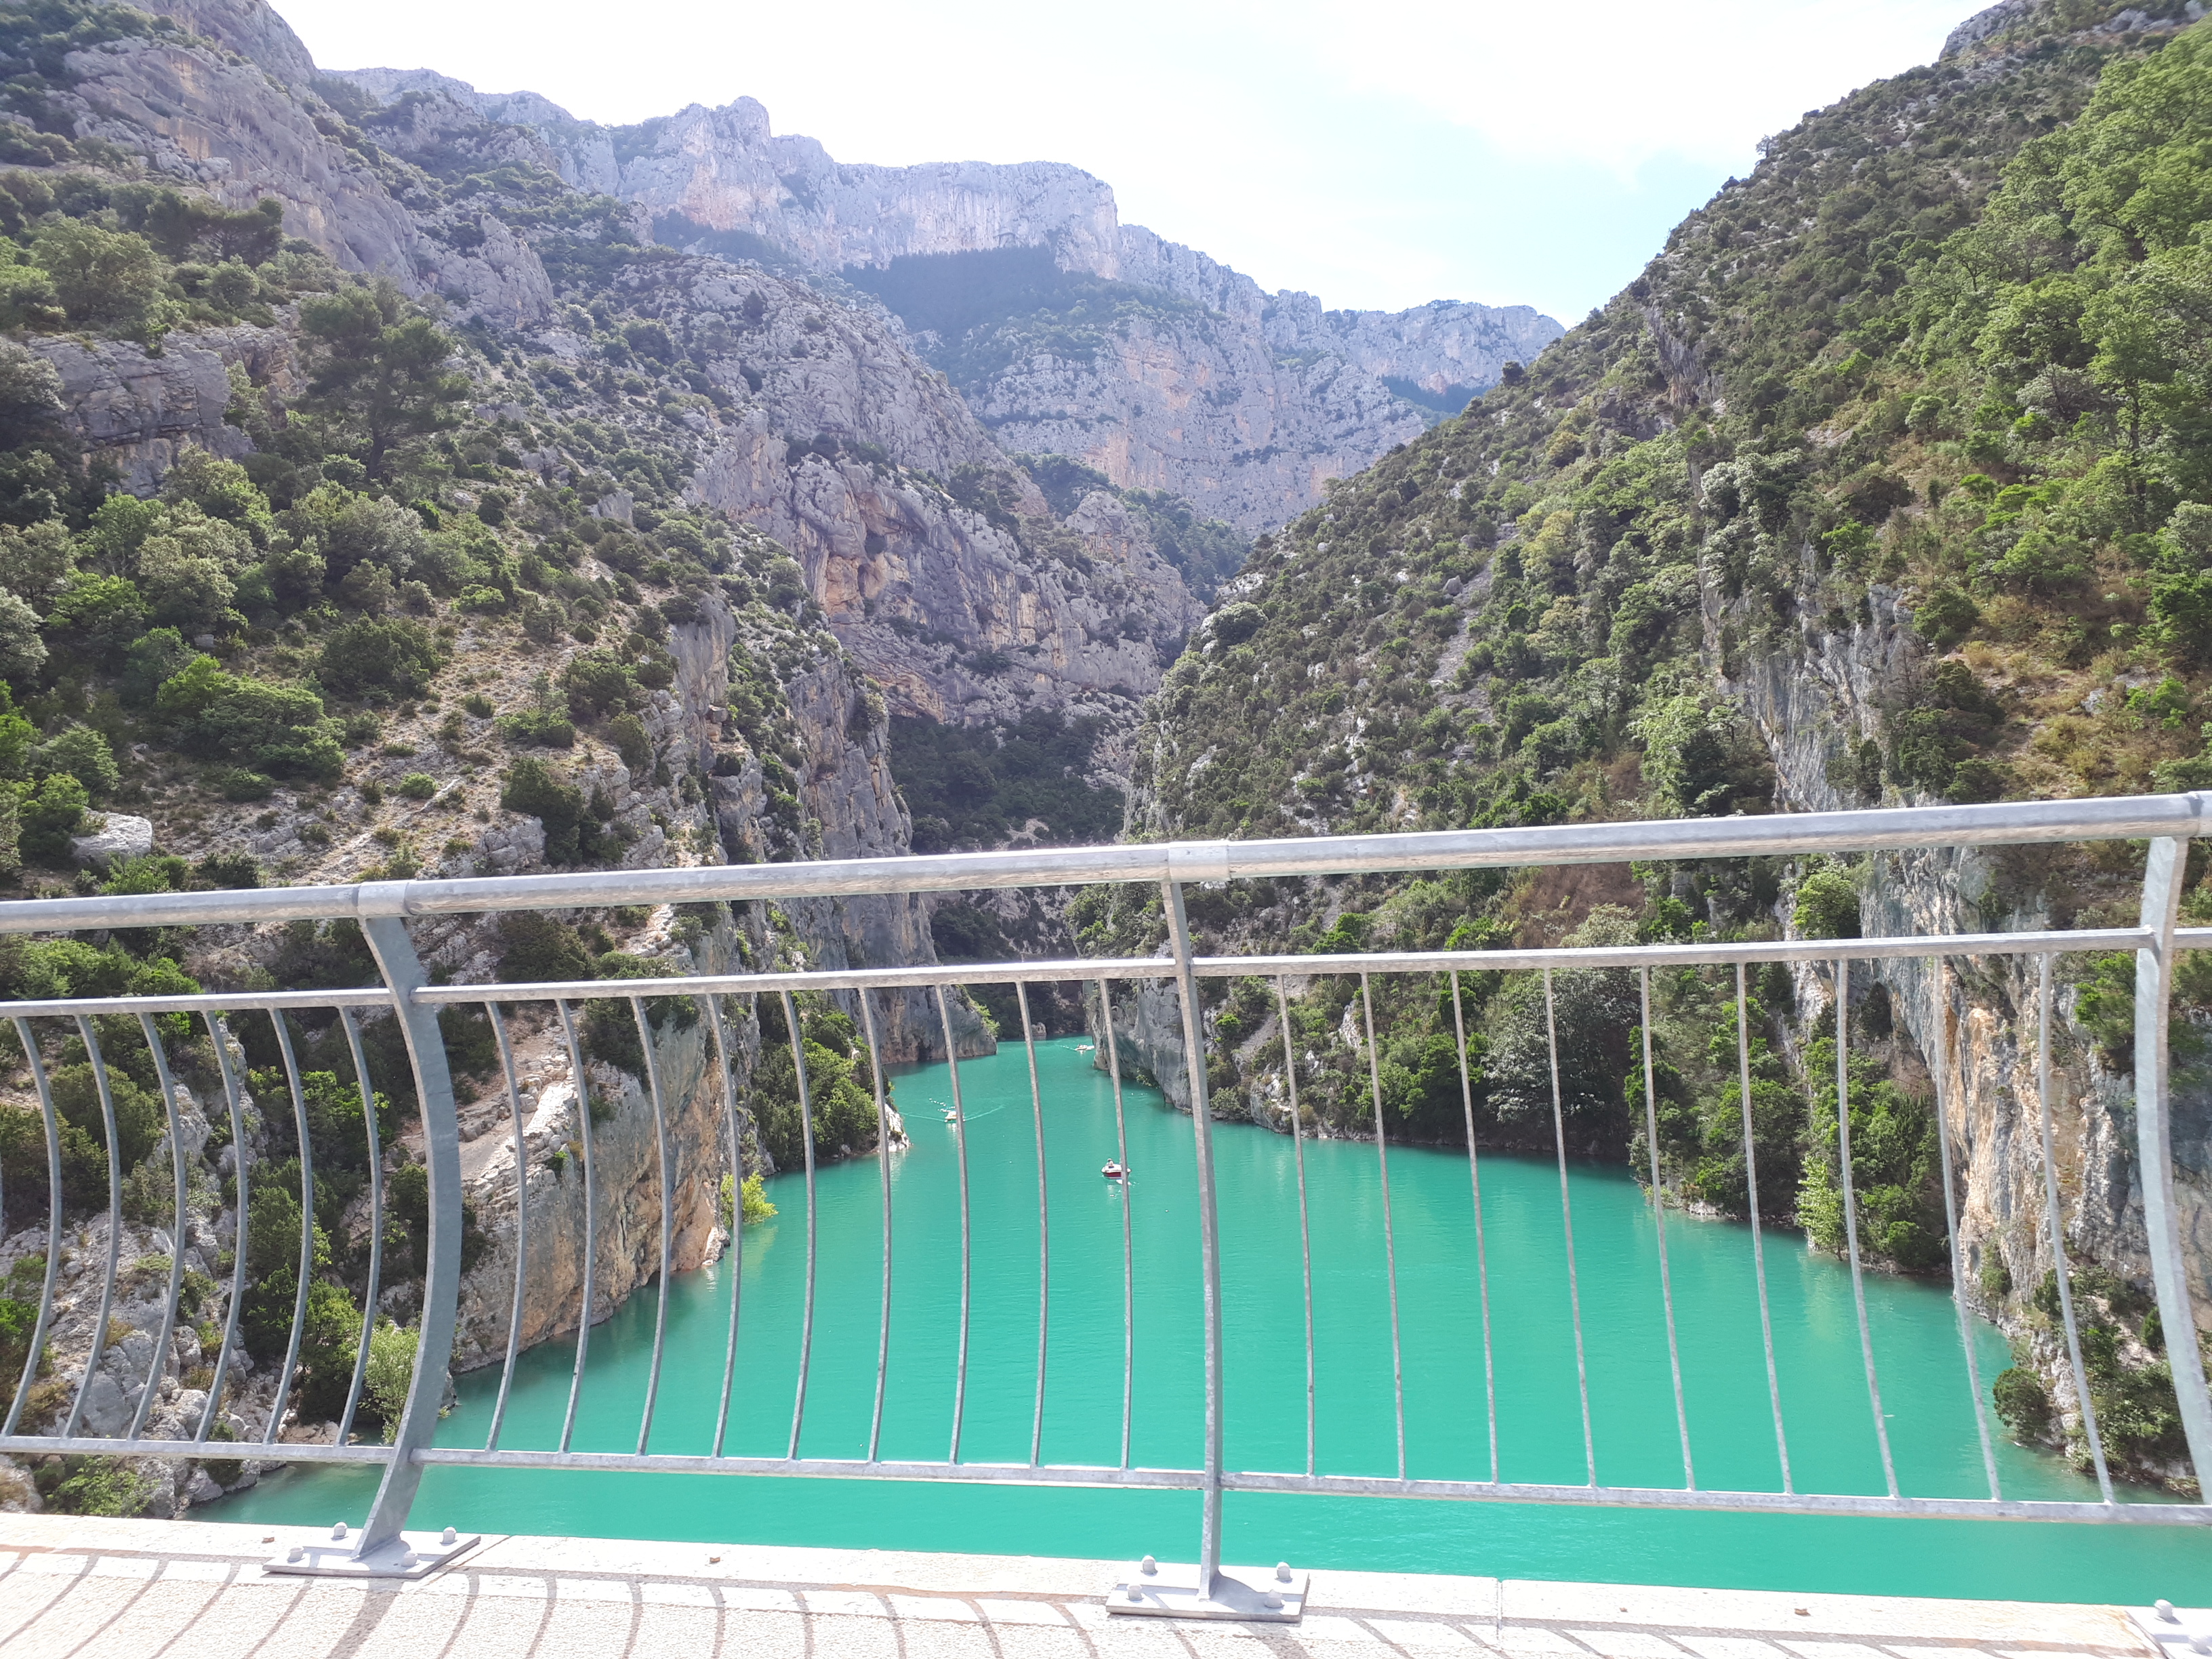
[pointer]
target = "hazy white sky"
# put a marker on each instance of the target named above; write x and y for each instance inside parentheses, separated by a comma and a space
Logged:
(1377, 154)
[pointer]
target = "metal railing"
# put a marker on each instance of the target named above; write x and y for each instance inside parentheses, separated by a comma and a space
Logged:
(2167, 823)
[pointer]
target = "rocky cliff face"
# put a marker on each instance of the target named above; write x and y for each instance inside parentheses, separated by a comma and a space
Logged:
(625, 1152)
(1245, 408)
(831, 438)
(199, 114)
(919, 584)
(1971, 1025)
(141, 412)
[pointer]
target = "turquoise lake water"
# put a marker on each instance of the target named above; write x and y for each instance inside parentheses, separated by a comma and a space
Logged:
(1831, 1437)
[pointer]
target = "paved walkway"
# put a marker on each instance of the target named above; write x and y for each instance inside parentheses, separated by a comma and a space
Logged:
(131, 1590)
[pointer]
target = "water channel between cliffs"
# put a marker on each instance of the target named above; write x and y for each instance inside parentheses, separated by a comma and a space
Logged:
(1832, 1443)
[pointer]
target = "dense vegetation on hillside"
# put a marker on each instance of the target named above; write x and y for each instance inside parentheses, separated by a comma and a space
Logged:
(1926, 401)
(261, 639)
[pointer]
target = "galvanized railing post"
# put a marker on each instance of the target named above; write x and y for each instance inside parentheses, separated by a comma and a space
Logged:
(441, 1153)
(2162, 906)
(1209, 1237)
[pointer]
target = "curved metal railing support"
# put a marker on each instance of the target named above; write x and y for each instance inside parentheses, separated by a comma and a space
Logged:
(2163, 871)
(442, 1150)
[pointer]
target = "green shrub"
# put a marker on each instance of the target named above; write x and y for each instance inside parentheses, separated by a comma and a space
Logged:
(417, 785)
(546, 728)
(138, 1118)
(392, 1350)
(225, 871)
(2023, 1405)
(536, 950)
(751, 1200)
(378, 657)
(152, 659)
(101, 1486)
(243, 783)
(610, 1029)
(535, 790)
(48, 816)
(277, 729)
(627, 733)
(101, 614)
(597, 683)
(1827, 906)
(838, 1079)
(84, 755)
(100, 276)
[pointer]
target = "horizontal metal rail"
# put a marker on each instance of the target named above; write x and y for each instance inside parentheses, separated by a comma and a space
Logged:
(48, 1446)
(1564, 959)
(2168, 821)
(1109, 1476)
(2131, 817)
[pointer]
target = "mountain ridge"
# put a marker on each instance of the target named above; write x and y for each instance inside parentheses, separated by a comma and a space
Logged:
(722, 180)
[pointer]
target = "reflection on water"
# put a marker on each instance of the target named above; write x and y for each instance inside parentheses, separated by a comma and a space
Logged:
(1831, 1437)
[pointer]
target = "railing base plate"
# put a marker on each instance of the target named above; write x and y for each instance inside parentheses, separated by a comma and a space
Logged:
(1273, 1595)
(2175, 1630)
(410, 1555)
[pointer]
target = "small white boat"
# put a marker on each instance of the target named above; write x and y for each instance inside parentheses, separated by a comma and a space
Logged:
(951, 1116)
(1113, 1171)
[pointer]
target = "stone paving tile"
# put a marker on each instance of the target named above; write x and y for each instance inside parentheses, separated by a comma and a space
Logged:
(1617, 1644)
(121, 1591)
(1735, 1647)
(1536, 1638)
(1422, 1634)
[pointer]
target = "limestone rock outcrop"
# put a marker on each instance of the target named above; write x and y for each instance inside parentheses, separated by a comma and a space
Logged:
(1245, 405)
(139, 412)
(243, 124)
(840, 444)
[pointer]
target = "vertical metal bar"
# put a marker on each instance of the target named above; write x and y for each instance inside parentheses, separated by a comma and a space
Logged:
(169, 1309)
(1948, 1063)
(1305, 1230)
(591, 1219)
(1851, 1216)
(2162, 875)
(813, 1213)
(23, 1035)
(883, 1173)
(2058, 1231)
(1757, 1233)
(307, 1227)
(1481, 1252)
(1567, 1221)
(667, 1220)
(441, 1280)
(114, 1227)
(1389, 1238)
(737, 1213)
(1659, 1221)
(1044, 1225)
(960, 1149)
(1209, 1237)
(221, 1035)
(521, 1222)
(375, 1223)
(1128, 1252)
